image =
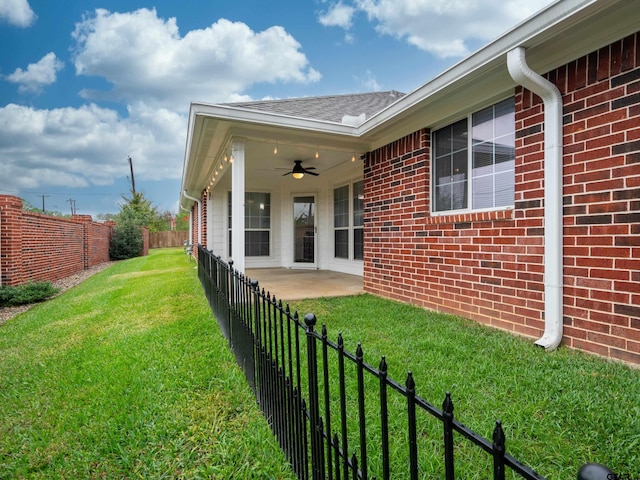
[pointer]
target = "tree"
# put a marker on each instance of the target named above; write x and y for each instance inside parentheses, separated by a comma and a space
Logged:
(126, 239)
(140, 210)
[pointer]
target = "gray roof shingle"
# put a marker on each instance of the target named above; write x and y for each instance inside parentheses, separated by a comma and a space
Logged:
(329, 108)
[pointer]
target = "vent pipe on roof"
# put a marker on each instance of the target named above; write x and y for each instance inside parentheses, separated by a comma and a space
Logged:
(199, 218)
(553, 259)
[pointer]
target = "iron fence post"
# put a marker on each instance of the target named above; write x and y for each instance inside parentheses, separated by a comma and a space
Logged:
(327, 399)
(314, 411)
(498, 451)
(411, 416)
(384, 419)
(361, 411)
(447, 421)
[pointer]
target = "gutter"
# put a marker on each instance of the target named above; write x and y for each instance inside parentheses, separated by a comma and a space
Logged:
(190, 222)
(553, 258)
(199, 219)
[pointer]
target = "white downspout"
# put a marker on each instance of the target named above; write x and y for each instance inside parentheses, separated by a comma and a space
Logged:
(199, 222)
(553, 259)
(190, 222)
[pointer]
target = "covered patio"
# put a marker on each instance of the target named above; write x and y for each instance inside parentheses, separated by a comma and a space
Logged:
(279, 183)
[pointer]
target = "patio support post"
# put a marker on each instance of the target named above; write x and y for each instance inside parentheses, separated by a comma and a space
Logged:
(237, 205)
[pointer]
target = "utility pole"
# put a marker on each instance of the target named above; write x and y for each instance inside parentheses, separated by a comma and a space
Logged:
(43, 197)
(72, 204)
(133, 181)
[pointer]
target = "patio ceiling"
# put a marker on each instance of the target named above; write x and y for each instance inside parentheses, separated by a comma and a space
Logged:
(262, 166)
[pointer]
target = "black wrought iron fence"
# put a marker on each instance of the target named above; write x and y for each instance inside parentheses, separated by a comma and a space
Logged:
(336, 416)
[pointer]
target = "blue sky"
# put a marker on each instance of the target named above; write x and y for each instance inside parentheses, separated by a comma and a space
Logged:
(85, 84)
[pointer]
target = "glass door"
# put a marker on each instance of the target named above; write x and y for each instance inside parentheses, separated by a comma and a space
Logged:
(304, 230)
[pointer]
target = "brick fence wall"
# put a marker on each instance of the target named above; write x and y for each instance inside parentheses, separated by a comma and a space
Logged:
(488, 266)
(35, 247)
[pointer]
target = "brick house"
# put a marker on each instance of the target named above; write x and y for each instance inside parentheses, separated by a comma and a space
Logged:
(505, 190)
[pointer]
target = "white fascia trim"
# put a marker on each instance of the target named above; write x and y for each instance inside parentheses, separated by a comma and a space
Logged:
(187, 150)
(239, 114)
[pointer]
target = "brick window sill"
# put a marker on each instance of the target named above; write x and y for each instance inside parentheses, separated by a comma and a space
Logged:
(482, 216)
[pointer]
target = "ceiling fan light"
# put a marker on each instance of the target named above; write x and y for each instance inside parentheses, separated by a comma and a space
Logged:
(298, 175)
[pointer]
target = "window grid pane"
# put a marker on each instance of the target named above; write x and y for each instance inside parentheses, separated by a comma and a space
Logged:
(451, 167)
(341, 243)
(358, 204)
(493, 154)
(341, 207)
(358, 243)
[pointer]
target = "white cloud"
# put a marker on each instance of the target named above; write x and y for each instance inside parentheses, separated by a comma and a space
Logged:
(338, 15)
(146, 59)
(87, 146)
(17, 12)
(369, 82)
(37, 75)
(444, 28)
(155, 72)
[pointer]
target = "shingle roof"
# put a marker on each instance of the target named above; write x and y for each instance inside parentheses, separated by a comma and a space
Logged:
(330, 108)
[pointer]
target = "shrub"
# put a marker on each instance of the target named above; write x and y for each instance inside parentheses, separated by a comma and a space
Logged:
(126, 241)
(26, 293)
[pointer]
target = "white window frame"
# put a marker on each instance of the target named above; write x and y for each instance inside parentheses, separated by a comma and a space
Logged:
(350, 227)
(247, 229)
(469, 148)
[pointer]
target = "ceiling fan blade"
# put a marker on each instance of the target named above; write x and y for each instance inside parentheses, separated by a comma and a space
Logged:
(312, 173)
(309, 168)
(288, 173)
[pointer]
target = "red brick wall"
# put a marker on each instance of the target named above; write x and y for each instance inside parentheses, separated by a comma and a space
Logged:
(36, 247)
(489, 266)
(10, 239)
(52, 248)
(194, 229)
(601, 97)
(203, 201)
(98, 238)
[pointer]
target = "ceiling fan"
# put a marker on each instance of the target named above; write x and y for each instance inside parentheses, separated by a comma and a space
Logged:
(298, 170)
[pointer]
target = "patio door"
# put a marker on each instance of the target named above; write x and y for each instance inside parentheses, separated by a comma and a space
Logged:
(304, 231)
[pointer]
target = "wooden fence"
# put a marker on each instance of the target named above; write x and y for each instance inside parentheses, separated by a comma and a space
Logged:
(168, 239)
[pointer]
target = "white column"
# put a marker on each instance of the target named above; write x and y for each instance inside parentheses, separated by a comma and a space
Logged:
(237, 205)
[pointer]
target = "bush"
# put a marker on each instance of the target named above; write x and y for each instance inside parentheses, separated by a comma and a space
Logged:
(26, 293)
(126, 241)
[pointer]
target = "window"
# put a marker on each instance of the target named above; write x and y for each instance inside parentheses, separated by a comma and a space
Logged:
(348, 221)
(489, 155)
(257, 224)
(358, 220)
(341, 221)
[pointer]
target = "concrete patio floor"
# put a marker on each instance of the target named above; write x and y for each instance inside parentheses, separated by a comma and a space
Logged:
(290, 284)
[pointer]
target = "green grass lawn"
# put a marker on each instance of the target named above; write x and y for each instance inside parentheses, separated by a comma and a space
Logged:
(128, 376)
(559, 409)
